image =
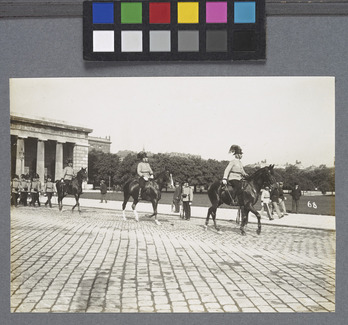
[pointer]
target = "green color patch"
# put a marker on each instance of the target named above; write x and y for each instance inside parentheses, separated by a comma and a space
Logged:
(131, 13)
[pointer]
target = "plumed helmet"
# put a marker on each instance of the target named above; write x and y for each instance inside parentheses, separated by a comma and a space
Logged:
(236, 150)
(15, 176)
(37, 176)
(23, 176)
(141, 155)
(49, 176)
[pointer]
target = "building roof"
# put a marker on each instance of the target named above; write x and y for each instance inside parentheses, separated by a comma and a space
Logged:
(16, 117)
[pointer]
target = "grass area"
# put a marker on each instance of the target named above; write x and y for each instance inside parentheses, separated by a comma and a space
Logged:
(325, 204)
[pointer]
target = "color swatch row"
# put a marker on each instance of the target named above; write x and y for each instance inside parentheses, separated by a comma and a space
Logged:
(174, 30)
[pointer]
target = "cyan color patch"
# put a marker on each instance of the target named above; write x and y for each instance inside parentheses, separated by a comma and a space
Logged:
(103, 13)
(244, 12)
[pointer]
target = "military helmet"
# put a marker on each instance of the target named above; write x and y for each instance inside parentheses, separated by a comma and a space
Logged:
(15, 176)
(141, 155)
(69, 161)
(236, 150)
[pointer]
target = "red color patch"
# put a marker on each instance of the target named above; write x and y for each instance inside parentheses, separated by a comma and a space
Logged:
(159, 12)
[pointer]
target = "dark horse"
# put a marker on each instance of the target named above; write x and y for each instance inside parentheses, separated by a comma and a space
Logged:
(247, 197)
(151, 192)
(76, 188)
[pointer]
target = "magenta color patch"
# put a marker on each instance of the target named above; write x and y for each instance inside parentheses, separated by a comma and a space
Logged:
(216, 12)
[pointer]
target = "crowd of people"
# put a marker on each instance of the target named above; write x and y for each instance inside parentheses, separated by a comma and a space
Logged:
(26, 190)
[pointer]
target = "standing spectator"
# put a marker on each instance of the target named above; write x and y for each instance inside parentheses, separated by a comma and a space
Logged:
(49, 190)
(275, 200)
(187, 198)
(14, 190)
(295, 194)
(35, 189)
(103, 191)
(265, 202)
(23, 187)
(177, 198)
(282, 198)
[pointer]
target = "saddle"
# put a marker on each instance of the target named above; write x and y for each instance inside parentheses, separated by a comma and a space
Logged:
(230, 193)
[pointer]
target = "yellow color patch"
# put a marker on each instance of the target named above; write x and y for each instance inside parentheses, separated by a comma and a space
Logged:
(188, 13)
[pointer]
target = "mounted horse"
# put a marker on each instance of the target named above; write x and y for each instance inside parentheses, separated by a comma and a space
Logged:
(75, 189)
(151, 192)
(246, 198)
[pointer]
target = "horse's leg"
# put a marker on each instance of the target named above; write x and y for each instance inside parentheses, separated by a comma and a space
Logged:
(258, 216)
(60, 203)
(207, 219)
(154, 206)
(134, 210)
(244, 219)
(214, 218)
(124, 204)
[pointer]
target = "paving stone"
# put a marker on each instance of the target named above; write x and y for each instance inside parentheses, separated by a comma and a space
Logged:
(108, 265)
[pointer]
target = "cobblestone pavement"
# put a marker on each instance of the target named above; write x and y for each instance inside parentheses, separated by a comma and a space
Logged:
(96, 262)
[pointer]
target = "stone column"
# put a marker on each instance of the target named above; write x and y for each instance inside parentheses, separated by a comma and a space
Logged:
(40, 159)
(20, 154)
(59, 161)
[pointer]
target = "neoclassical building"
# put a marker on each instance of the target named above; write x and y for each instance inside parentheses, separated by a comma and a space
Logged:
(43, 146)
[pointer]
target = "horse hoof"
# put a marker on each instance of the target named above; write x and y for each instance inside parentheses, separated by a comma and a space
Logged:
(157, 223)
(258, 231)
(219, 232)
(137, 219)
(243, 233)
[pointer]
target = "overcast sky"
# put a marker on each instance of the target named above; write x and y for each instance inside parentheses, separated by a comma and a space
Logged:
(280, 119)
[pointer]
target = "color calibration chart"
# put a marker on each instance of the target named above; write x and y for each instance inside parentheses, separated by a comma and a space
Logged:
(174, 30)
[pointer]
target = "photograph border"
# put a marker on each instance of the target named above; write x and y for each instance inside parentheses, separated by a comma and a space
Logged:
(15, 66)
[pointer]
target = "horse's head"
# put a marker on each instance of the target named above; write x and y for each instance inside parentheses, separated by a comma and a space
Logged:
(268, 175)
(82, 174)
(164, 178)
(264, 176)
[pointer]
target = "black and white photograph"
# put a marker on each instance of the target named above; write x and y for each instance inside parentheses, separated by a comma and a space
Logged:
(173, 195)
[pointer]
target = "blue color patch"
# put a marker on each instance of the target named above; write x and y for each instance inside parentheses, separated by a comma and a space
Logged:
(244, 12)
(103, 13)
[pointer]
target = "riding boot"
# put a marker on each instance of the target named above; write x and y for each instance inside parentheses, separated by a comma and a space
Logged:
(139, 196)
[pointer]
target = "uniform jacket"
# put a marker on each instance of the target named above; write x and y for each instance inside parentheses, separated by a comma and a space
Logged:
(15, 186)
(187, 194)
(144, 169)
(296, 193)
(234, 170)
(35, 187)
(68, 173)
(265, 196)
(49, 187)
(24, 185)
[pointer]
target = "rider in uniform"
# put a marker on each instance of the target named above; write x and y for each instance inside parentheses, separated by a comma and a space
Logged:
(144, 171)
(234, 172)
(68, 174)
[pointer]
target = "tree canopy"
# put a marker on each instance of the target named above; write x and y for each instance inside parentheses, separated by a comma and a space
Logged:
(198, 171)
